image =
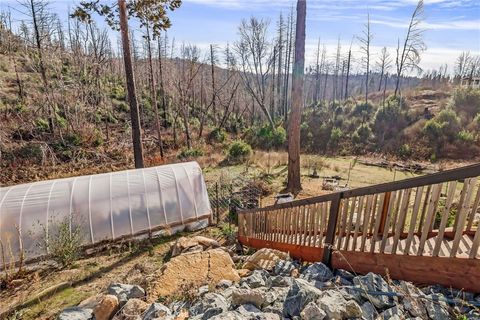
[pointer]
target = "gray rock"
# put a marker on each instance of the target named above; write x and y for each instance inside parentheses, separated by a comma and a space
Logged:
(211, 300)
(392, 313)
(257, 279)
(124, 292)
(473, 315)
(76, 313)
(317, 272)
(413, 306)
(337, 307)
(312, 312)
(284, 267)
(374, 283)
(211, 312)
(202, 290)
(157, 311)
(276, 307)
(344, 274)
(279, 281)
(256, 297)
(368, 311)
(299, 295)
(224, 284)
(436, 309)
(246, 309)
(353, 292)
(230, 315)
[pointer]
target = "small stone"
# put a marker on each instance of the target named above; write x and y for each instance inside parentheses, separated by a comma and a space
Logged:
(132, 310)
(202, 290)
(156, 311)
(211, 300)
(299, 295)
(317, 272)
(224, 284)
(312, 312)
(436, 309)
(392, 313)
(279, 281)
(374, 283)
(284, 267)
(106, 308)
(256, 297)
(76, 313)
(125, 292)
(368, 311)
(256, 279)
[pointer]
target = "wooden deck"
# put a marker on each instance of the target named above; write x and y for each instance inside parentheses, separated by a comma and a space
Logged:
(421, 229)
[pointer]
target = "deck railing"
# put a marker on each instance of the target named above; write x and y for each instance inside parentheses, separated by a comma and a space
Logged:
(426, 216)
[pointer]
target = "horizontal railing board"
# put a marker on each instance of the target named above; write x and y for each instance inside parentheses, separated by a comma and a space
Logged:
(434, 178)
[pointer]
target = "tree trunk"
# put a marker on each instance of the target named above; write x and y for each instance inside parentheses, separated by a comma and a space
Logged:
(132, 95)
(153, 93)
(293, 183)
(348, 73)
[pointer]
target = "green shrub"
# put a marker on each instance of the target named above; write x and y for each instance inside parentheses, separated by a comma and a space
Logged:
(42, 125)
(267, 137)
(335, 136)
(30, 151)
(97, 139)
(476, 120)
(61, 121)
(118, 93)
(63, 242)
(239, 151)
(121, 106)
(466, 136)
(73, 140)
(20, 107)
(362, 134)
(405, 151)
(217, 135)
(466, 101)
(190, 153)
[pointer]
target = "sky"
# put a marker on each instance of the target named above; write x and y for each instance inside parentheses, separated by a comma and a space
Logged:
(452, 26)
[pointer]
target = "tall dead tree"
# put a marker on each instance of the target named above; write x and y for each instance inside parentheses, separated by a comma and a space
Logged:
(409, 55)
(293, 180)
(288, 57)
(316, 91)
(383, 64)
(153, 91)
(280, 45)
(365, 41)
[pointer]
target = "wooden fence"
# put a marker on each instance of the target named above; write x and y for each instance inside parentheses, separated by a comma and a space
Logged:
(420, 229)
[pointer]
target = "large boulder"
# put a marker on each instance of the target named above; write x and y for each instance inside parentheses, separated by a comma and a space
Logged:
(124, 292)
(257, 279)
(190, 271)
(76, 313)
(193, 244)
(106, 308)
(374, 283)
(265, 259)
(299, 295)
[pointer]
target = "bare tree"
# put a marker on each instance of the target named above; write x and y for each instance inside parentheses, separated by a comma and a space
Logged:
(293, 180)
(409, 55)
(365, 41)
(349, 60)
(254, 52)
(384, 65)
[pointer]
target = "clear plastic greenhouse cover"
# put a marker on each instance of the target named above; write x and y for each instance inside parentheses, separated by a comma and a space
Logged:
(101, 207)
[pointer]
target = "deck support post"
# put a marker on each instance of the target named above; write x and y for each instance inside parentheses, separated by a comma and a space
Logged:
(332, 225)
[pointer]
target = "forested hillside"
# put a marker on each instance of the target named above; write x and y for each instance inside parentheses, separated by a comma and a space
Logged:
(64, 105)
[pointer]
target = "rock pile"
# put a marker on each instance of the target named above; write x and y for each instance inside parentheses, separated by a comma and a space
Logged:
(274, 288)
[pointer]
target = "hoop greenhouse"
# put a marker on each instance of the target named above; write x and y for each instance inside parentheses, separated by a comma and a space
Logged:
(102, 207)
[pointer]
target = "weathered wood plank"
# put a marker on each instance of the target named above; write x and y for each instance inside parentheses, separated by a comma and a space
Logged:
(432, 207)
(462, 215)
(452, 186)
(401, 218)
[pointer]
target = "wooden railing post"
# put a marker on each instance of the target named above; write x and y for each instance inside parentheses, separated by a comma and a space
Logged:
(332, 225)
(383, 217)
